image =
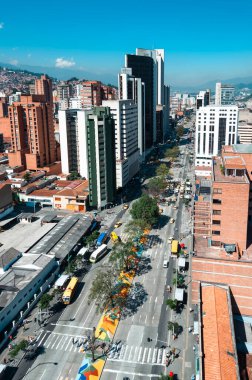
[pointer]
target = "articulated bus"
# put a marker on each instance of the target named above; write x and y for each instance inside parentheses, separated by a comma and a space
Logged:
(69, 292)
(98, 253)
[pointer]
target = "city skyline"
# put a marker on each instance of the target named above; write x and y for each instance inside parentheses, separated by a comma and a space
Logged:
(195, 54)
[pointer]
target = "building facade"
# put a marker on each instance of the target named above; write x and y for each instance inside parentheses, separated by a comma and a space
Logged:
(101, 157)
(73, 141)
(32, 132)
(125, 115)
(215, 127)
(224, 94)
(203, 99)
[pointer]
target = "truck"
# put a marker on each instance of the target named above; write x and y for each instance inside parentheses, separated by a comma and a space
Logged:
(174, 248)
(101, 239)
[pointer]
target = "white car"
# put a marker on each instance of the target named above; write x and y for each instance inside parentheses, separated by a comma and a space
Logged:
(172, 220)
(170, 239)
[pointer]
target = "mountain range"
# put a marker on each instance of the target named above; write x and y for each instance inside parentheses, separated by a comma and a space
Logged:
(65, 74)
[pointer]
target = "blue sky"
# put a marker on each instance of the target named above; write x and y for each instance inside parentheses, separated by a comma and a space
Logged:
(202, 40)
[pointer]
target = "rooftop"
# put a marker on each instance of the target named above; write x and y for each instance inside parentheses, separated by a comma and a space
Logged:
(220, 176)
(242, 148)
(219, 350)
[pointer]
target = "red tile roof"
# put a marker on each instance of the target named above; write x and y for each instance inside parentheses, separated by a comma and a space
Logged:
(219, 352)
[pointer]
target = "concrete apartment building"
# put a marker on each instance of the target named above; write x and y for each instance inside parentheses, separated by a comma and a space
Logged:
(101, 157)
(32, 133)
(215, 126)
(224, 94)
(245, 126)
(91, 94)
(134, 89)
(125, 115)
(73, 140)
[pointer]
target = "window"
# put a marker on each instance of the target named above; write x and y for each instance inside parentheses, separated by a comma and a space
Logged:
(217, 191)
(216, 212)
(217, 201)
(216, 232)
(216, 222)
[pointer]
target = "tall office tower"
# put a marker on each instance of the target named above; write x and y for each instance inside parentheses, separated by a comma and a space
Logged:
(124, 113)
(131, 88)
(73, 141)
(143, 67)
(43, 86)
(224, 94)
(203, 99)
(64, 91)
(32, 132)
(166, 125)
(90, 93)
(215, 127)
(101, 157)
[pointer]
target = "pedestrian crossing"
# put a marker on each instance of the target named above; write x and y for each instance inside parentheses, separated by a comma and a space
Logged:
(139, 355)
(61, 342)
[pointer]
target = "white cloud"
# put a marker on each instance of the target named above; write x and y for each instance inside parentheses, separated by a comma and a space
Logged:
(14, 62)
(1, 25)
(63, 63)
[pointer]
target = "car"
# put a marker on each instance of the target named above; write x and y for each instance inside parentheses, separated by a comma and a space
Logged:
(165, 263)
(175, 207)
(118, 224)
(170, 239)
(181, 196)
(125, 207)
(172, 220)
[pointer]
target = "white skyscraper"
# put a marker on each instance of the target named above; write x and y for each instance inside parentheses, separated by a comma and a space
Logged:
(125, 115)
(224, 94)
(131, 88)
(73, 141)
(215, 127)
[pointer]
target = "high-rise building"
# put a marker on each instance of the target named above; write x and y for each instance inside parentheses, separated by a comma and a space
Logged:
(215, 127)
(64, 91)
(32, 132)
(125, 115)
(91, 93)
(43, 86)
(131, 88)
(101, 157)
(143, 67)
(224, 94)
(1, 143)
(203, 99)
(73, 141)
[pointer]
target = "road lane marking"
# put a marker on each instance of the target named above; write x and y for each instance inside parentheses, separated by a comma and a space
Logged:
(139, 354)
(59, 342)
(144, 354)
(76, 327)
(149, 355)
(43, 338)
(70, 340)
(132, 373)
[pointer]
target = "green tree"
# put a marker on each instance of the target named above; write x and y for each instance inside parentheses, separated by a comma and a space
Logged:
(136, 227)
(174, 327)
(73, 176)
(105, 291)
(45, 300)
(172, 153)
(27, 176)
(172, 304)
(162, 170)
(122, 256)
(156, 186)
(180, 131)
(91, 238)
(71, 267)
(145, 208)
(163, 377)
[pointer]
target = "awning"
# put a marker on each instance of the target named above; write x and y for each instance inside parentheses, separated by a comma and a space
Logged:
(181, 262)
(195, 327)
(179, 294)
(230, 248)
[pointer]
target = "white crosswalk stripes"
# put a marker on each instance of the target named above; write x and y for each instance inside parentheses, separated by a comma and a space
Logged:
(59, 342)
(140, 355)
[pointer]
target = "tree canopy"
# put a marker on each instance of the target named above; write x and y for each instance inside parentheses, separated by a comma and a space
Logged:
(45, 300)
(123, 256)
(145, 208)
(180, 131)
(162, 170)
(106, 291)
(172, 153)
(156, 186)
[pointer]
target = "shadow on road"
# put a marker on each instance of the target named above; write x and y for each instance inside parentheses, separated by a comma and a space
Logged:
(144, 266)
(136, 298)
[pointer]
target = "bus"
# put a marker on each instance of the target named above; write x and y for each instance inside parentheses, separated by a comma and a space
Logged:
(101, 239)
(61, 282)
(174, 248)
(69, 292)
(98, 253)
